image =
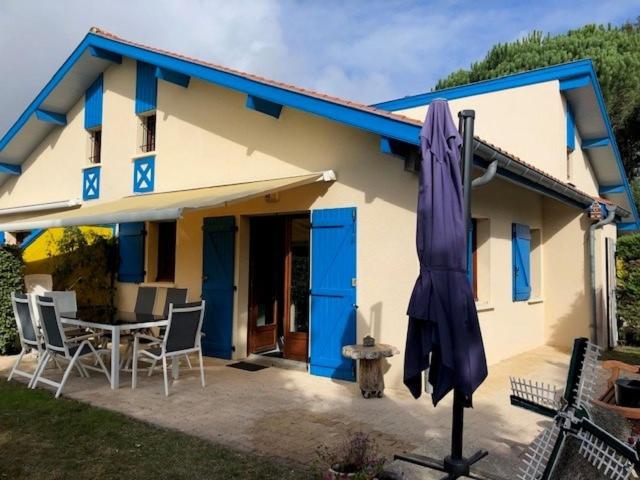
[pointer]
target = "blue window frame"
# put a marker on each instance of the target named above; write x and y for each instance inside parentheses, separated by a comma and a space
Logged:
(91, 183)
(144, 174)
(521, 262)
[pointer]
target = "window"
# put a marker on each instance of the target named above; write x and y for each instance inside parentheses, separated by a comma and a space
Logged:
(480, 260)
(96, 146)
(166, 254)
(148, 133)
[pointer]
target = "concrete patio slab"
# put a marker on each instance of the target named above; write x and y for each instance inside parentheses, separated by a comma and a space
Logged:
(287, 414)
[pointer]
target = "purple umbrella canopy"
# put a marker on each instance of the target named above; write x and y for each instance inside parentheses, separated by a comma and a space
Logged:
(443, 321)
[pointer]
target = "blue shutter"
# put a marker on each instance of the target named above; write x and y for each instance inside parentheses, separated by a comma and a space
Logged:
(333, 291)
(144, 174)
(146, 88)
(218, 258)
(571, 130)
(131, 249)
(93, 105)
(1, 238)
(470, 235)
(521, 252)
(91, 183)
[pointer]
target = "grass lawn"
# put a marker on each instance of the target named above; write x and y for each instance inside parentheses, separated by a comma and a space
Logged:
(45, 438)
(629, 355)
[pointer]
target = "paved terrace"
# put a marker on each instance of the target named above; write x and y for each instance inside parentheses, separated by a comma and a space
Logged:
(286, 414)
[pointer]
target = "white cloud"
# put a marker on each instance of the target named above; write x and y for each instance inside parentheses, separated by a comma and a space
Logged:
(362, 50)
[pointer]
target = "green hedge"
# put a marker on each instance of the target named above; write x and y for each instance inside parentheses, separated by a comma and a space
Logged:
(11, 280)
(628, 294)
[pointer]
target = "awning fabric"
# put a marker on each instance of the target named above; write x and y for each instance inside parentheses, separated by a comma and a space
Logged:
(158, 206)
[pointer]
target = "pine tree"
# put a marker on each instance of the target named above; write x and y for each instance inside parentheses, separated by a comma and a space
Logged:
(615, 51)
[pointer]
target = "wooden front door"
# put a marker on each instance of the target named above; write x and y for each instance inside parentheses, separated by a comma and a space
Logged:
(266, 277)
(297, 275)
(279, 269)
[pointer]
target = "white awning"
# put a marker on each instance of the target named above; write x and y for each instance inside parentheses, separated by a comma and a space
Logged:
(158, 206)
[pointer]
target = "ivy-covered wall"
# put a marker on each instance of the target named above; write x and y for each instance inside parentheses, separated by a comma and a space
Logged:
(628, 266)
(11, 271)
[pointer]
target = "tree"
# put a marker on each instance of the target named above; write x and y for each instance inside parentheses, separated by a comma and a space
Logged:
(615, 51)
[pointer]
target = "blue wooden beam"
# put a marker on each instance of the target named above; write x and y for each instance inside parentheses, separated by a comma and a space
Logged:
(628, 226)
(596, 142)
(609, 189)
(173, 76)
(10, 169)
(264, 106)
(105, 54)
(51, 117)
(575, 82)
(385, 146)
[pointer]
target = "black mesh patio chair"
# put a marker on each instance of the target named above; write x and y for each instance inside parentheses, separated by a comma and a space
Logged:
(183, 336)
(145, 300)
(177, 296)
(58, 346)
(28, 332)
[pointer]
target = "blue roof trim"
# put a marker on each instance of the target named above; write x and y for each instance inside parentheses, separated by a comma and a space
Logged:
(44, 93)
(32, 237)
(340, 113)
(546, 74)
(595, 143)
(576, 74)
(105, 55)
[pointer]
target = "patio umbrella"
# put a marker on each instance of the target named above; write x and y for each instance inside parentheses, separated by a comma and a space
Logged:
(443, 322)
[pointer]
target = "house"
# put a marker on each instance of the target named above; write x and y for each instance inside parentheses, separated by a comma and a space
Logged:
(293, 213)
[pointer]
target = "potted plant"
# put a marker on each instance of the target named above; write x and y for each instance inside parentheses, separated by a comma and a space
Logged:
(356, 457)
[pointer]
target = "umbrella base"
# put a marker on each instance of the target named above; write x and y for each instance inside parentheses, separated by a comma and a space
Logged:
(454, 468)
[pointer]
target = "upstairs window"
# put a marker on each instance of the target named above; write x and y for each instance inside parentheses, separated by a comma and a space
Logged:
(95, 138)
(148, 123)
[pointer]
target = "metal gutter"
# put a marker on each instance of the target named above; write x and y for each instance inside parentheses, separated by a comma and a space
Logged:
(509, 167)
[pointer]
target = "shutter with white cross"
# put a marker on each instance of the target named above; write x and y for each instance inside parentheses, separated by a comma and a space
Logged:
(143, 174)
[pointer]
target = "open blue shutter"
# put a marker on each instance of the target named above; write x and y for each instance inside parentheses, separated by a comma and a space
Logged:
(131, 249)
(218, 260)
(93, 105)
(1, 238)
(333, 291)
(521, 248)
(146, 88)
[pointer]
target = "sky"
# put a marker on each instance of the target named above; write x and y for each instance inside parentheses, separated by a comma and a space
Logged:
(362, 50)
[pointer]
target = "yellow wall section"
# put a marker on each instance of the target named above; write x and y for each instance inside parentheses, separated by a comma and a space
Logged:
(37, 254)
(528, 122)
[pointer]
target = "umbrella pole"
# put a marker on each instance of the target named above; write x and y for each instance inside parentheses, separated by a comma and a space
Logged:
(456, 465)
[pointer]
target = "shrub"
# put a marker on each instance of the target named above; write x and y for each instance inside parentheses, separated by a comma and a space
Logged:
(11, 280)
(84, 262)
(628, 292)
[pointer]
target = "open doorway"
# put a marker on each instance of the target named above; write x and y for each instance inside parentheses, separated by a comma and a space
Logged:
(279, 269)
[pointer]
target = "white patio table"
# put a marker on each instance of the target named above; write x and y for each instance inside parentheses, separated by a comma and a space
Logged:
(122, 322)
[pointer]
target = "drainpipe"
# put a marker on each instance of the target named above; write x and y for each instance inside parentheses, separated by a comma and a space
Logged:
(592, 267)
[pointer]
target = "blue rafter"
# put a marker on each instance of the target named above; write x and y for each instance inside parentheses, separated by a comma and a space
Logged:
(609, 189)
(51, 117)
(572, 83)
(264, 106)
(105, 54)
(172, 76)
(10, 169)
(596, 143)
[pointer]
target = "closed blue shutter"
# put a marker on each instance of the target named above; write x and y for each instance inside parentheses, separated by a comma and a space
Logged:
(218, 279)
(146, 88)
(93, 105)
(131, 249)
(521, 251)
(333, 291)
(571, 130)
(1, 238)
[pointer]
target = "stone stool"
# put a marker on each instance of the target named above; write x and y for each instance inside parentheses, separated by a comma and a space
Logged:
(369, 358)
